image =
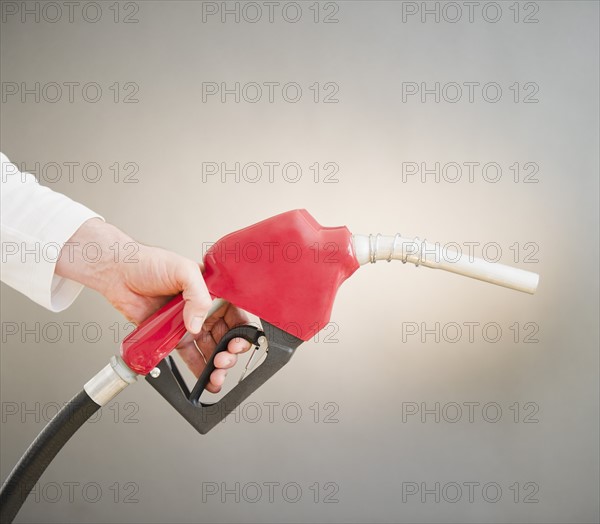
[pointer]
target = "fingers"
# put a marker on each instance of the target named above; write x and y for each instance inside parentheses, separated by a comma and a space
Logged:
(194, 359)
(225, 360)
(238, 345)
(196, 296)
(212, 331)
(217, 379)
(235, 317)
(219, 328)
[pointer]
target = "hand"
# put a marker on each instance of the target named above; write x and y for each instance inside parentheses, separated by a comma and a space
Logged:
(140, 286)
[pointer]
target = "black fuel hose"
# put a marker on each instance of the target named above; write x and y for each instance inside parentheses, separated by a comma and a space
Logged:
(42, 451)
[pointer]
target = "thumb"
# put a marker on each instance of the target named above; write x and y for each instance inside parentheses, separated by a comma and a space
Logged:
(196, 296)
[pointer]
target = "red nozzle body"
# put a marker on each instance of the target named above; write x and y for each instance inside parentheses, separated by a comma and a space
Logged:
(286, 270)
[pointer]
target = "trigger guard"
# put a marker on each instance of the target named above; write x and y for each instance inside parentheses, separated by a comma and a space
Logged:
(170, 384)
(249, 333)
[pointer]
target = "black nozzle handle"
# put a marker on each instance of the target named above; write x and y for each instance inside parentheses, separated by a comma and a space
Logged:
(203, 417)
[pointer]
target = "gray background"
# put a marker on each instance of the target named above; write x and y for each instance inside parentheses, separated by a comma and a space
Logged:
(364, 369)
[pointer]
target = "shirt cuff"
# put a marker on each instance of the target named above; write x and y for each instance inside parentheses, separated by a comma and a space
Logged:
(58, 293)
(36, 222)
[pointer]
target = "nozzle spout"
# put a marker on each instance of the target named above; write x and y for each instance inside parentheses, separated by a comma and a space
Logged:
(370, 248)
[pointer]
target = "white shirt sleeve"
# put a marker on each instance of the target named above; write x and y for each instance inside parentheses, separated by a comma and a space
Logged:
(35, 224)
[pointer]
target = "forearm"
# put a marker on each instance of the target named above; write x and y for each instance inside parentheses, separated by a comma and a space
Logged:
(92, 255)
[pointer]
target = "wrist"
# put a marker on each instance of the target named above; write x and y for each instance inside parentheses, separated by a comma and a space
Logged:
(93, 254)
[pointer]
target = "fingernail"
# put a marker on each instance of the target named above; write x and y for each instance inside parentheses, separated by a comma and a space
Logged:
(196, 325)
